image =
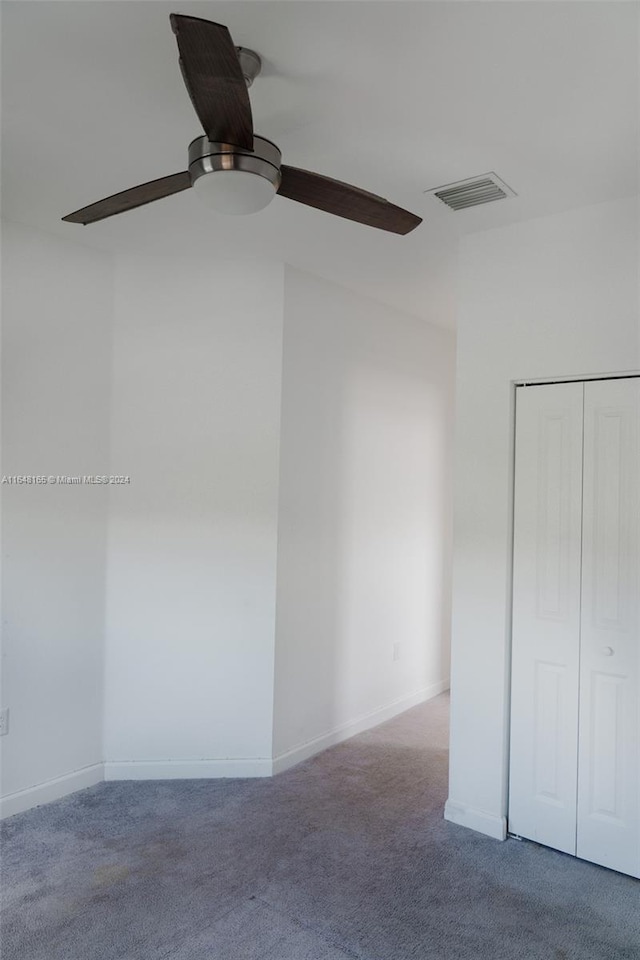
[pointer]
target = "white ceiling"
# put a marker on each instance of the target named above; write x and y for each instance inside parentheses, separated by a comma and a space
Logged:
(394, 97)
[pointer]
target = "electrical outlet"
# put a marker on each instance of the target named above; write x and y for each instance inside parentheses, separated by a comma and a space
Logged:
(396, 651)
(4, 721)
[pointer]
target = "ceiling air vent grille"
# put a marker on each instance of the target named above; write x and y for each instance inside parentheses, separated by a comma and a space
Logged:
(473, 192)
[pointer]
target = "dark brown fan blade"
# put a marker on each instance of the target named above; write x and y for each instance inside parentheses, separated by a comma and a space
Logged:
(128, 199)
(212, 74)
(345, 201)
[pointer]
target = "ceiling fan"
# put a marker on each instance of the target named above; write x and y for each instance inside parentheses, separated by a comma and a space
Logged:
(237, 170)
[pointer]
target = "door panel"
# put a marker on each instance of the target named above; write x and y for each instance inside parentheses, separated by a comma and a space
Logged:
(608, 830)
(546, 614)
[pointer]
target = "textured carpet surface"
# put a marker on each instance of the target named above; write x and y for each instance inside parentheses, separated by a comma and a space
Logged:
(345, 856)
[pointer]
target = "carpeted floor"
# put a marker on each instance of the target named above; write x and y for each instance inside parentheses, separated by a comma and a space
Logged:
(345, 856)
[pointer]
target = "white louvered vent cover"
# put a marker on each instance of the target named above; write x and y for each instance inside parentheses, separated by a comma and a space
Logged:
(472, 192)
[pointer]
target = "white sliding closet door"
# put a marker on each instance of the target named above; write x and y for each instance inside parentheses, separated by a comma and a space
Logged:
(609, 735)
(546, 614)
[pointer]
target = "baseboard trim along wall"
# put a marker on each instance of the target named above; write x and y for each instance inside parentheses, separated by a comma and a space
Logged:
(216, 769)
(305, 750)
(186, 769)
(50, 790)
(479, 820)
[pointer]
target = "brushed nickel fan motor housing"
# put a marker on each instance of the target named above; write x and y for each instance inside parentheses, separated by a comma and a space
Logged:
(208, 156)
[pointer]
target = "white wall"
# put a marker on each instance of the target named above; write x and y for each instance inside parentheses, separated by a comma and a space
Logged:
(364, 517)
(56, 359)
(176, 381)
(551, 297)
(192, 542)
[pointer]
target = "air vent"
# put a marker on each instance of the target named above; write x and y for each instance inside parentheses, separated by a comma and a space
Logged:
(473, 192)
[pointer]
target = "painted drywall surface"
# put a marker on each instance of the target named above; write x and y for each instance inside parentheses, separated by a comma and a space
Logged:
(364, 517)
(552, 297)
(192, 539)
(57, 315)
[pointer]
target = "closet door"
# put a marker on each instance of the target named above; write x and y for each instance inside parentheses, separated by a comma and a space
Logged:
(546, 614)
(609, 735)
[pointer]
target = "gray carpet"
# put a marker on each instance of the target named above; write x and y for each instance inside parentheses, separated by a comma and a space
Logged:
(345, 856)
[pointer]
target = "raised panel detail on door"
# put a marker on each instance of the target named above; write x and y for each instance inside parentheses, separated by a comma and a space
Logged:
(552, 567)
(548, 708)
(606, 737)
(608, 829)
(546, 614)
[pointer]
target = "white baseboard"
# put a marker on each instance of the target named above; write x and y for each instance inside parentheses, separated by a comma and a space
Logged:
(305, 750)
(212, 769)
(186, 769)
(488, 823)
(51, 790)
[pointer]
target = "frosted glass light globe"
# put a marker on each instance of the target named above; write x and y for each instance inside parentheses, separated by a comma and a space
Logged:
(235, 191)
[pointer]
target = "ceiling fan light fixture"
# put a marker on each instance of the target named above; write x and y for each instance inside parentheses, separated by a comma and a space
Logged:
(217, 75)
(234, 180)
(235, 191)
